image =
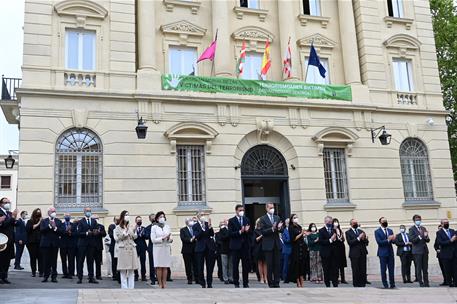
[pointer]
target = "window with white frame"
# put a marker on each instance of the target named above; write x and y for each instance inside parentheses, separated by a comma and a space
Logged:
(395, 8)
(312, 74)
(250, 4)
(252, 66)
(80, 50)
(182, 60)
(312, 7)
(415, 170)
(403, 75)
(191, 174)
(335, 174)
(78, 175)
(5, 182)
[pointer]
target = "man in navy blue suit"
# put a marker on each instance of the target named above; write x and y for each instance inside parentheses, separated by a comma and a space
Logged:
(141, 247)
(239, 227)
(147, 232)
(385, 237)
(68, 242)
(205, 249)
(7, 221)
(87, 233)
(446, 238)
(50, 229)
(20, 238)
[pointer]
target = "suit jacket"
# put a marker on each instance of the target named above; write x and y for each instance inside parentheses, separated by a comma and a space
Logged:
(401, 244)
(205, 238)
(50, 237)
(238, 241)
(447, 248)
(140, 241)
(384, 245)
(287, 245)
(83, 228)
(99, 237)
(7, 228)
(356, 248)
(20, 234)
(419, 243)
(326, 249)
(111, 228)
(271, 239)
(147, 232)
(69, 239)
(188, 247)
(223, 241)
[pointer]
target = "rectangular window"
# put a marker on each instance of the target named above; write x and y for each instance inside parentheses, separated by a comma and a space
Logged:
(395, 8)
(313, 75)
(191, 174)
(5, 182)
(335, 174)
(252, 66)
(403, 75)
(80, 50)
(182, 60)
(250, 4)
(311, 7)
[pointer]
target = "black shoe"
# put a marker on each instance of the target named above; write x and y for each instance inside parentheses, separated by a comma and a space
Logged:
(65, 276)
(210, 286)
(409, 281)
(99, 278)
(70, 277)
(44, 280)
(143, 279)
(344, 282)
(18, 268)
(237, 286)
(245, 285)
(79, 281)
(230, 281)
(444, 284)
(54, 280)
(386, 286)
(153, 283)
(40, 275)
(5, 281)
(93, 281)
(367, 282)
(1, 282)
(169, 280)
(136, 279)
(393, 287)
(226, 283)
(421, 285)
(427, 285)
(203, 286)
(33, 275)
(189, 282)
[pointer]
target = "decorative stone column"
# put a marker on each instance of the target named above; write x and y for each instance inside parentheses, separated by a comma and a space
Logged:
(224, 64)
(348, 39)
(287, 29)
(148, 76)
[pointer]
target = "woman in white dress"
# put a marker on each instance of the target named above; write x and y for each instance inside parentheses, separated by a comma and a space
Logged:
(125, 250)
(161, 251)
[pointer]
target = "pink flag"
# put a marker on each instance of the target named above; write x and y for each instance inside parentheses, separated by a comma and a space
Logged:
(210, 52)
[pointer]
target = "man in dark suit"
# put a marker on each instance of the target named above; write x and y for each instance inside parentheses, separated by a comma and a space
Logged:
(419, 237)
(50, 229)
(68, 243)
(327, 250)
(147, 231)
(385, 237)
(7, 221)
(141, 248)
(404, 252)
(20, 239)
(358, 242)
(98, 252)
(239, 228)
(111, 227)
(271, 226)
(205, 249)
(87, 232)
(188, 250)
(437, 247)
(446, 238)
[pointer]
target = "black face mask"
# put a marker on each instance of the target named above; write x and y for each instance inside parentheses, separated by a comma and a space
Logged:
(384, 224)
(355, 226)
(446, 226)
(139, 223)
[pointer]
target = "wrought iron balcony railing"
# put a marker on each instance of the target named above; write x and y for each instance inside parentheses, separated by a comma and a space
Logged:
(9, 86)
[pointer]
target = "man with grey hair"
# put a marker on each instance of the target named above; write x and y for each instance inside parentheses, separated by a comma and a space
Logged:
(188, 250)
(446, 238)
(50, 229)
(327, 237)
(358, 242)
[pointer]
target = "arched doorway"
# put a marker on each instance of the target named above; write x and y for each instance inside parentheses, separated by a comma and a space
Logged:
(264, 178)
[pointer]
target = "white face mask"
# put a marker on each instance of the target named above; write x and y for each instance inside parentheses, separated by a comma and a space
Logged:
(241, 213)
(161, 220)
(203, 219)
(271, 211)
(402, 230)
(313, 229)
(127, 218)
(336, 225)
(53, 215)
(190, 224)
(222, 226)
(295, 220)
(7, 206)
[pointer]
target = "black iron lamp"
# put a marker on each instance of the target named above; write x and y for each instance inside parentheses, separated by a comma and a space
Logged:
(9, 162)
(141, 129)
(384, 138)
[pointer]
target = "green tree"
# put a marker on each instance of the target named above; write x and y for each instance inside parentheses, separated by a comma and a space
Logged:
(444, 18)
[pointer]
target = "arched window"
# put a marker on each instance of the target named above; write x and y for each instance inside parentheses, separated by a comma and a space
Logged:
(415, 170)
(263, 160)
(78, 171)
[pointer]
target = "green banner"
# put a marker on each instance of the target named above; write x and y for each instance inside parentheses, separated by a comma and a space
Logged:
(255, 87)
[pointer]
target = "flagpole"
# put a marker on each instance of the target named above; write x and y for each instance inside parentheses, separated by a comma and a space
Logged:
(307, 66)
(214, 58)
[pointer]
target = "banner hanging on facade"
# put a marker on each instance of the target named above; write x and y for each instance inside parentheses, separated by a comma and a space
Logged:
(255, 87)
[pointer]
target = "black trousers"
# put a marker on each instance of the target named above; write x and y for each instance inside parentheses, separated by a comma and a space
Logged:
(142, 256)
(443, 272)
(406, 259)
(448, 265)
(68, 257)
(190, 265)
(330, 269)
(359, 271)
(5, 260)
(421, 263)
(50, 261)
(242, 255)
(35, 257)
(152, 270)
(98, 259)
(273, 260)
(86, 253)
(19, 251)
(207, 257)
(114, 266)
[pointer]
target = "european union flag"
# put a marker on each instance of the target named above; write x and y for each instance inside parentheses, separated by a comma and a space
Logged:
(314, 60)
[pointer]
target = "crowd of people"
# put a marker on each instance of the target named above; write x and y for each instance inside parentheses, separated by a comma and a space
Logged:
(275, 249)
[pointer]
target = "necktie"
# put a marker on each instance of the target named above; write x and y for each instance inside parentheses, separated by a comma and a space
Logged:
(385, 232)
(241, 221)
(191, 232)
(271, 218)
(448, 233)
(88, 222)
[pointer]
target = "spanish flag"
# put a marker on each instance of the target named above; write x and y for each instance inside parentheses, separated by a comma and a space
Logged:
(266, 60)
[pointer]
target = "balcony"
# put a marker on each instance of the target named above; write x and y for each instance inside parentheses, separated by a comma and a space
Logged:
(9, 102)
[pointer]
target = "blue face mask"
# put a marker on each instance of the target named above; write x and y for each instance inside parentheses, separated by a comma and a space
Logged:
(67, 218)
(329, 225)
(418, 223)
(88, 214)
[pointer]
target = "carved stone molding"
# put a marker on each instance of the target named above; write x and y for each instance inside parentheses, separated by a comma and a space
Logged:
(156, 109)
(412, 129)
(253, 33)
(402, 41)
(299, 117)
(193, 5)
(264, 128)
(234, 115)
(222, 114)
(191, 131)
(81, 8)
(305, 19)
(79, 117)
(183, 27)
(335, 136)
(241, 11)
(318, 40)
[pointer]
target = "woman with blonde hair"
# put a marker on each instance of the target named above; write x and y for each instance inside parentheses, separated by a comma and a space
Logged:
(125, 251)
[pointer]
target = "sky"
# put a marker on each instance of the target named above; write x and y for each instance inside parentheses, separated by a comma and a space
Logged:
(11, 22)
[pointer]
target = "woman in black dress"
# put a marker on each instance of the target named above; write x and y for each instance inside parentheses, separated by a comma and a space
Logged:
(341, 262)
(33, 242)
(257, 252)
(299, 252)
